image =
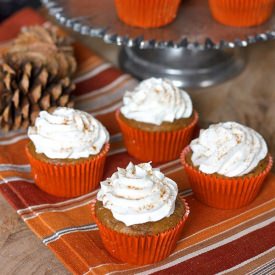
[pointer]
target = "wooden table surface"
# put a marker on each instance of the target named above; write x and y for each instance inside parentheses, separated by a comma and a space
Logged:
(248, 98)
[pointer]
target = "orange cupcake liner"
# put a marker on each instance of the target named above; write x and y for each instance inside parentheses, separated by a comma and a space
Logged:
(144, 249)
(147, 13)
(68, 180)
(241, 13)
(224, 193)
(156, 146)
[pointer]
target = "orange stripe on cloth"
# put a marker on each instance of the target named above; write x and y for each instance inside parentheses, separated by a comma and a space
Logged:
(14, 153)
(86, 58)
(48, 223)
(87, 66)
(26, 17)
(68, 248)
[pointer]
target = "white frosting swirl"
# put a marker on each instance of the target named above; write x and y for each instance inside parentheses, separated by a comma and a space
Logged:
(138, 194)
(67, 133)
(156, 100)
(229, 149)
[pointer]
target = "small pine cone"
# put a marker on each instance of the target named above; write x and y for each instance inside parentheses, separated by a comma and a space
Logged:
(43, 46)
(26, 90)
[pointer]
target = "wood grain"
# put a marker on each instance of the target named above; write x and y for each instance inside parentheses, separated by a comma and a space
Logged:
(21, 252)
(248, 98)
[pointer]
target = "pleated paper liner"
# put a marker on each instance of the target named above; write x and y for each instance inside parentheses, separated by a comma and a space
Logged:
(224, 193)
(68, 179)
(241, 13)
(156, 146)
(140, 250)
(147, 13)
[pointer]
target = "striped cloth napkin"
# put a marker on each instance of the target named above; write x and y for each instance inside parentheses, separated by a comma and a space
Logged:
(232, 241)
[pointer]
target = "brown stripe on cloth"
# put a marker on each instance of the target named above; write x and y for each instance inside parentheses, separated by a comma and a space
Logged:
(217, 240)
(29, 194)
(237, 251)
(103, 78)
(260, 261)
(96, 100)
(200, 233)
(213, 240)
(12, 198)
(222, 228)
(109, 121)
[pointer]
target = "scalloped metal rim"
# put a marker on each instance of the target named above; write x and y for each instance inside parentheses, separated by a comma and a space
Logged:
(57, 12)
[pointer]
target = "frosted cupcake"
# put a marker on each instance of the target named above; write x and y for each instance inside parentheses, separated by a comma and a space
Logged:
(241, 13)
(227, 165)
(157, 120)
(138, 209)
(67, 152)
(147, 14)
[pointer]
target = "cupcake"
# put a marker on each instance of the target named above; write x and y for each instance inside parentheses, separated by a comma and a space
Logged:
(157, 120)
(147, 13)
(226, 165)
(67, 152)
(241, 13)
(138, 210)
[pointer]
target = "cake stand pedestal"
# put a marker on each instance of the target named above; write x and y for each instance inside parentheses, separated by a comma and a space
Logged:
(193, 51)
(186, 68)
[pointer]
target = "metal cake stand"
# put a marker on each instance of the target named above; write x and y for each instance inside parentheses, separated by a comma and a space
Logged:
(193, 51)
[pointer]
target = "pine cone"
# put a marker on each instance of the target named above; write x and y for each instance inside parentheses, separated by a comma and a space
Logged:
(35, 74)
(26, 90)
(43, 46)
